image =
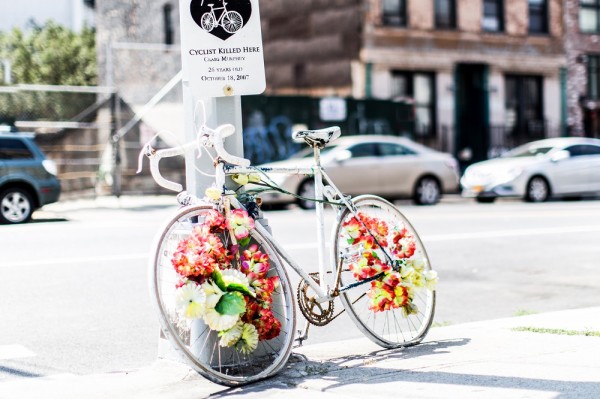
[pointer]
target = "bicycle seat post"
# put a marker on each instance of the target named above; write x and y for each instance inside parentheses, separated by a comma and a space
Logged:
(320, 217)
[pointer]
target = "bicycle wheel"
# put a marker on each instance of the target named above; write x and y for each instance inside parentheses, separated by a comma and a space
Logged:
(392, 313)
(259, 343)
(232, 21)
(208, 22)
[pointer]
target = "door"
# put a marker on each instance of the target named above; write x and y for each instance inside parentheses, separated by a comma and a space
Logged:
(358, 174)
(472, 132)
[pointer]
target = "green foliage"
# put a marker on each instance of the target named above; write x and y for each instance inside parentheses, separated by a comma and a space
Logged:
(51, 54)
(558, 331)
(231, 303)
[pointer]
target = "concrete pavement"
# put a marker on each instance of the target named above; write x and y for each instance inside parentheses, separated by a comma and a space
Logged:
(550, 355)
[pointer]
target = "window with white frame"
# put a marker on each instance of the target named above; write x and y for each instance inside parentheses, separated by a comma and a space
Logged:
(493, 16)
(420, 87)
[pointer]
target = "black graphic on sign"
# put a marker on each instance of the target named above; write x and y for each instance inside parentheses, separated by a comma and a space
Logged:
(221, 18)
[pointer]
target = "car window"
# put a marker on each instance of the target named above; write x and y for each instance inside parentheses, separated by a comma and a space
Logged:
(583, 149)
(392, 149)
(363, 150)
(14, 149)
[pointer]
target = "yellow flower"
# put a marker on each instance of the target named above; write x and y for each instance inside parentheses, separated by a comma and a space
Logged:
(212, 293)
(213, 193)
(249, 339)
(241, 179)
(254, 178)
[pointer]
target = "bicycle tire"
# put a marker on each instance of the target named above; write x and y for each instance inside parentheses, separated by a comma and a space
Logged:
(222, 365)
(388, 328)
(232, 22)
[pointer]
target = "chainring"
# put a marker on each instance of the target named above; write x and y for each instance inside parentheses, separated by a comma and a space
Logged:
(318, 314)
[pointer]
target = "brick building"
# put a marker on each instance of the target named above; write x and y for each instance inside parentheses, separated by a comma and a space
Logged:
(582, 48)
(483, 74)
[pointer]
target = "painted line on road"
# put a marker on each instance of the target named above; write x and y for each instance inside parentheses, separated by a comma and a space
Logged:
(88, 259)
(14, 352)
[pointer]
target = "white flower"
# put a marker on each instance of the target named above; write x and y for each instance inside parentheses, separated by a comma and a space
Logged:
(232, 336)
(213, 294)
(249, 339)
(233, 276)
(190, 300)
(219, 322)
(431, 279)
(418, 264)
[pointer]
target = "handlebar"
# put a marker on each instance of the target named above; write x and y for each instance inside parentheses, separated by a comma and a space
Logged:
(207, 137)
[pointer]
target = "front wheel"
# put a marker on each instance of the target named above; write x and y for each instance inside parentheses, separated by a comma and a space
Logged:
(398, 310)
(232, 21)
(538, 190)
(235, 329)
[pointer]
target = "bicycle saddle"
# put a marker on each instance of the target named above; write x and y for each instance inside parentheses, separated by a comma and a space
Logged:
(319, 137)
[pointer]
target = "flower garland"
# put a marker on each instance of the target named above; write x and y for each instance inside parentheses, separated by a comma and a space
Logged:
(394, 289)
(234, 303)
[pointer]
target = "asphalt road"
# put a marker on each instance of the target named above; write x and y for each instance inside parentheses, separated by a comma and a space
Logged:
(74, 297)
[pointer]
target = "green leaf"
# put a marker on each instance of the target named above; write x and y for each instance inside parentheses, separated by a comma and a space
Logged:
(240, 288)
(244, 241)
(232, 303)
(375, 255)
(218, 279)
(350, 241)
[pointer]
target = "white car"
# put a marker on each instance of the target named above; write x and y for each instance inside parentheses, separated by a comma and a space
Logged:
(389, 166)
(557, 167)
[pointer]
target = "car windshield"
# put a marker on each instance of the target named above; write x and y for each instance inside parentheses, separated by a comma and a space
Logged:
(527, 151)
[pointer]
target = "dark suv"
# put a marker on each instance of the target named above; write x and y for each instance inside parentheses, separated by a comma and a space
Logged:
(27, 179)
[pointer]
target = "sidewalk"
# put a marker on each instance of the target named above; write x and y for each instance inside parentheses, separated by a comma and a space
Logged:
(491, 359)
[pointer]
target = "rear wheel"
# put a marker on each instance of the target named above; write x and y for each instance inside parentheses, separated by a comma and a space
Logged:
(427, 191)
(16, 205)
(271, 331)
(538, 190)
(395, 327)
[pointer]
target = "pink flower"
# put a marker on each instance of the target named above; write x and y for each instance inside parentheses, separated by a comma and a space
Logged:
(240, 223)
(255, 264)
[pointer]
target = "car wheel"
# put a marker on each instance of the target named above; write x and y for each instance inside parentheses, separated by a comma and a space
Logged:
(306, 190)
(16, 206)
(427, 191)
(538, 190)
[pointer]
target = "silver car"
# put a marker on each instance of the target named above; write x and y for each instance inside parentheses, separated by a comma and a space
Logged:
(392, 167)
(537, 171)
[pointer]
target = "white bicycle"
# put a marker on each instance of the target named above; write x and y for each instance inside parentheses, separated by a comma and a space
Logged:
(222, 293)
(230, 21)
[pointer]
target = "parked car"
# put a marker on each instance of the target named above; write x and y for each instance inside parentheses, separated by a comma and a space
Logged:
(389, 166)
(537, 171)
(27, 179)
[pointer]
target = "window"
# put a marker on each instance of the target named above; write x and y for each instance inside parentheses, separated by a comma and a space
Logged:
(394, 12)
(14, 149)
(363, 150)
(420, 87)
(168, 23)
(523, 106)
(493, 16)
(589, 16)
(583, 149)
(538, 16)
(391, 149)
(445, 14)
(593, 77)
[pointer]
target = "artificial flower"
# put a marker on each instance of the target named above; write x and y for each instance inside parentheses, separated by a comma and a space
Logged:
(241, 179)
(267, 325)
(255, 264)
(213, 294)
(219, 322)
(231, 336)
(213, 193)
(189, 300)
(431, 279)
(240, 223)
(249, 339)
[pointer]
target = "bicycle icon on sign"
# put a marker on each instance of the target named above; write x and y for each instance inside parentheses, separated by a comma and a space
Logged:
(230, 21)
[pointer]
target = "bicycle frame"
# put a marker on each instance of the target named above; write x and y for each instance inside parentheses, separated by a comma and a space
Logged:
(322, 294)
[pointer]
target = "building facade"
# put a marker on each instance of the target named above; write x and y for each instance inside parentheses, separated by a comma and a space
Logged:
(482, 75)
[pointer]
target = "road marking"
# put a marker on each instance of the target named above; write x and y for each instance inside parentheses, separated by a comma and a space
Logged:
(14, 351)
(88, 259)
